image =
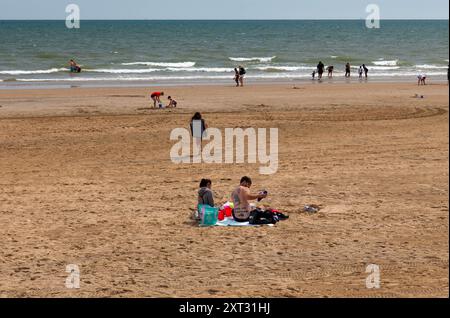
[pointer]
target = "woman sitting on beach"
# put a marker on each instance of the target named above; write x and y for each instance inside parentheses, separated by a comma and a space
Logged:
(205, 195)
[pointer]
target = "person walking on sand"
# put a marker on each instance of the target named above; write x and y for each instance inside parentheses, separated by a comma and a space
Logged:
(156, 97)
(320, 68)
(360, 71)
(242, 73)
(366, 70)
(241, 197)
(347, 70)
(198, 128)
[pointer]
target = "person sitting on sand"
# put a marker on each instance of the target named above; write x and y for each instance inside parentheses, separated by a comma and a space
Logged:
(155, 96)
(74, 68)
(241, 197)
(205, 195)
(172, 102)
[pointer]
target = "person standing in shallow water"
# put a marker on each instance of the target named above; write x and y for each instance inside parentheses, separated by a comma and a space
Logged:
(320, 68)
(347, 70)
(242, 73)
(236, 76)
(330, 70)
(366, 70)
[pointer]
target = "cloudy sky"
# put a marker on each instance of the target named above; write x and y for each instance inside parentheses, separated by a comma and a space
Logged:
(224, 9)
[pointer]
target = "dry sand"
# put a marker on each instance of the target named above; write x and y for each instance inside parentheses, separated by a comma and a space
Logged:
(86, 179)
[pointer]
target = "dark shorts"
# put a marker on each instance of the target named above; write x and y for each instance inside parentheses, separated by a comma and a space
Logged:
(239, 220)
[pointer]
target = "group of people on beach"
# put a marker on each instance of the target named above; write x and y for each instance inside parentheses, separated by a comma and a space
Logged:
(243, 210)
(320, 69)
(157, 103)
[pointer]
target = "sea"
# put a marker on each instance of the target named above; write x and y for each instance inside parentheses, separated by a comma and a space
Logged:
(150, 52)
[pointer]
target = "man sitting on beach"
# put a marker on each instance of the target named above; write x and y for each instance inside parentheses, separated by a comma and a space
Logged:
(156, 98)
(241, 197)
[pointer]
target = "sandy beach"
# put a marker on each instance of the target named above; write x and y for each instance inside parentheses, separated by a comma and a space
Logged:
(86, 179)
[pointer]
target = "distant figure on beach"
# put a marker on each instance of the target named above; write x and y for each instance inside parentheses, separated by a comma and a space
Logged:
(205, 195)
(330, 70)
(360, 71)
(236, 76)
(156, 97)
(74, 68)
(242, 73)
(313, 74)
(172, 102)
(241, 197)
(347, 70)
(366, 70)
(421, 79)
(320, 69)
(198, 127)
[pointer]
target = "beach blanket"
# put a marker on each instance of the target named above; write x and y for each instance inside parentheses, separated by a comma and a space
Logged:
(232, 222)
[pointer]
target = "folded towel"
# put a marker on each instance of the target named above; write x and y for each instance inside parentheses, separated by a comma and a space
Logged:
(232, 222)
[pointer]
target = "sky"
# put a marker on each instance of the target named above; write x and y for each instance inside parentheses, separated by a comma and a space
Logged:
(223, 9)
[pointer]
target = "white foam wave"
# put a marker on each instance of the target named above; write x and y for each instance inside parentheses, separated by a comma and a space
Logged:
(161, 64)
(21, 72)
(284, 68)
(201, 69)
(428, 66)
(385, 63)
(253, 59)
(124, 71)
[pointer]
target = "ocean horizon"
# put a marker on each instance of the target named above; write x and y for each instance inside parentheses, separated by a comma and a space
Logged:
(152, 52)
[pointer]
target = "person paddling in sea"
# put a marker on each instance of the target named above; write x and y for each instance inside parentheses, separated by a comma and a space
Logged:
(74, 68)
(330, 70)
(366, 70)
(347, 70)
(320, 68)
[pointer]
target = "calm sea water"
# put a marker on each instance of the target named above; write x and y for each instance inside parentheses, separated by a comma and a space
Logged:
(189, 51)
